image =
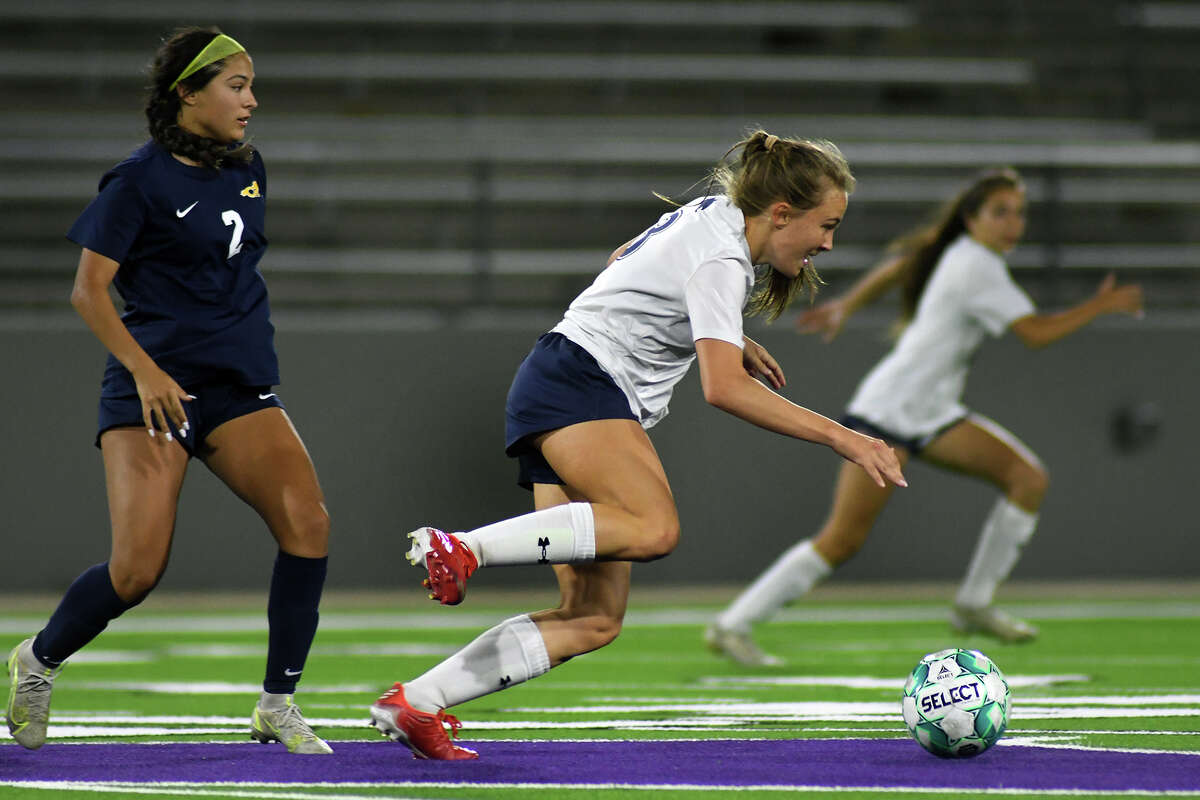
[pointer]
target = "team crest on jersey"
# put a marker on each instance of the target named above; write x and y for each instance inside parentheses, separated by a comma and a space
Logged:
(251, 190)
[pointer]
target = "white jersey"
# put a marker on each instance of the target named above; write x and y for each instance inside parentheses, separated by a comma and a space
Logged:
(686, 278)
(916, 390)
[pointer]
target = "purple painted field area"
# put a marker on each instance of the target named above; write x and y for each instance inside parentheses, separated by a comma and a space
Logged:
(715, 763)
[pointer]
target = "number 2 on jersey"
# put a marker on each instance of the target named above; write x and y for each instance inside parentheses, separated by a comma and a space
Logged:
(233, 218)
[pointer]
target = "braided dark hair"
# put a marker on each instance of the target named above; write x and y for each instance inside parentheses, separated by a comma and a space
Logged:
(162, 102)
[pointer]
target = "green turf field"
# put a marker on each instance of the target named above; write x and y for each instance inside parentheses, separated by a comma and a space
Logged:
(1114, 669)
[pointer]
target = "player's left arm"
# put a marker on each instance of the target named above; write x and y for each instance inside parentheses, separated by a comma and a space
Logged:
(729, 387)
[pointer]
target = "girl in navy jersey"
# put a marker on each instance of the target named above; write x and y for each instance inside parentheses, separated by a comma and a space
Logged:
(582, 399)
(957, 290)
(178, 229)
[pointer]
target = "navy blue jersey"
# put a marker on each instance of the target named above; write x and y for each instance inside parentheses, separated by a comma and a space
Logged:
(188, 241)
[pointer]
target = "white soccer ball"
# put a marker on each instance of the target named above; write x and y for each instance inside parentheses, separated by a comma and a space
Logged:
(956, 703)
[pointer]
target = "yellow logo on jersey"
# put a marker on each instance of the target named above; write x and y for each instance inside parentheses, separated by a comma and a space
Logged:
(251, 191)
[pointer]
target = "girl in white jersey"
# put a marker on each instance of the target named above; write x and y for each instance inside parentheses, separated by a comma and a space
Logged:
(581, 401)
(957, 289)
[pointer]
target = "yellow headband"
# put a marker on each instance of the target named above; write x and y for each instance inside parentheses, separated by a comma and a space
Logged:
(221, 47)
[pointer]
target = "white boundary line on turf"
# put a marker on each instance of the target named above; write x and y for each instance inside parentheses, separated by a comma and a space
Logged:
(1072, 732)
(867, 682)
(706, 683)
(408, 620)
(1094, 749)
(223, 789)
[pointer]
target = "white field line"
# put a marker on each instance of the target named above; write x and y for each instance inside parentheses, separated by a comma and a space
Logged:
(55, 732)
(260, 651)
(98, 656)
(888, 714)
(333, 620)
(694, 716)
(1096, 732)
(1117, 700)
(858, 711)
(900, 733)
(1092, 749)
(844, 681)
(219, 650)
(180, 720)
(219, 687)
(865, 682)
(867, 656)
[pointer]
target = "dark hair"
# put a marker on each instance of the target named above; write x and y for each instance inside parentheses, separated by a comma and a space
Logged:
(920, 249)
(162, 102)
(800, 172)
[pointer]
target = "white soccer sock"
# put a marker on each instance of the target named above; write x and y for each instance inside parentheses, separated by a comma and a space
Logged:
(503, 656)
(564, 534)
(1006, 529)
(794, 573)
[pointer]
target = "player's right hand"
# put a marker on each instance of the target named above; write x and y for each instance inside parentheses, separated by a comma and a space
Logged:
(162, 400)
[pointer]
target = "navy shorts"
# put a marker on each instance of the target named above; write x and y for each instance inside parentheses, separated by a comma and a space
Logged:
(558, 384)
(215, 404)
(914, 445)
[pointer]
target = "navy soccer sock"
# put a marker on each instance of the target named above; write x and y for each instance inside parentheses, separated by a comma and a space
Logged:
(89, 605)
(292, 615)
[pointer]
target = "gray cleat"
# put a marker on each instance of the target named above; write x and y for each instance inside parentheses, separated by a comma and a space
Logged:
(993, 622)
(738, 646)
(29, 696)
(287, 725)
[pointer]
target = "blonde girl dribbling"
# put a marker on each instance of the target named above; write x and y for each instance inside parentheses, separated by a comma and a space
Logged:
(581, 402)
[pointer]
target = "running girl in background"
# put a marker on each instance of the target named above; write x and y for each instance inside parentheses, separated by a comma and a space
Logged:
(177, 227)
(581, 401)
(957, 289)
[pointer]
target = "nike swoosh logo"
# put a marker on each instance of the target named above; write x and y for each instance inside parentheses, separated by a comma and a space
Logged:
(291, 673)
(182, 214)
(267, 397)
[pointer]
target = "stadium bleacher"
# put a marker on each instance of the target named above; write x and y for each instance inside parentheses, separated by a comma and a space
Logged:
(464, 155)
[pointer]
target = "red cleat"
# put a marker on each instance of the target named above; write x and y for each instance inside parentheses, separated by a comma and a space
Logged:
(419, 731)
(449, 561)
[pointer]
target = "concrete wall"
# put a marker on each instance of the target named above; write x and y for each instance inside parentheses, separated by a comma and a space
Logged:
(405, 427)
